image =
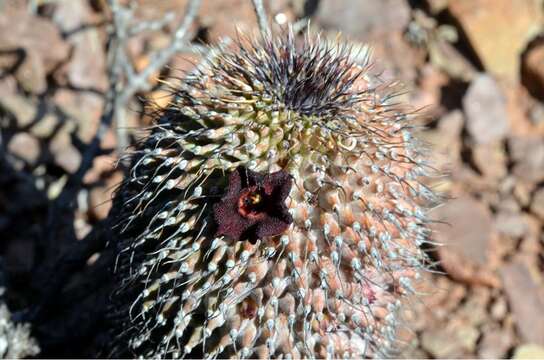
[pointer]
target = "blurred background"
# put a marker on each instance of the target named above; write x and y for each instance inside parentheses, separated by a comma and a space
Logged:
(75, 78)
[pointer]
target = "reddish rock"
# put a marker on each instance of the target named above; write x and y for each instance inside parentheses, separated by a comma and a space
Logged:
(529, 351)
(485, 108)
(83, 109)
(518, 109)
(40, 40)
(445, 141)
(101, 165)
(527, 153)
(530, 245)
(183, 63)
(445, 295)
(466, 237)
(65, 154)
(490, 159)
(381, 23)
(510, 224)
(25, 147)
(8, 86)
(429, 91)
(496, 342)
(533, 70)
(437, 6)
(474, 310)
(100, 196)
(499, 47)
(508, 204)
(524, 291)
(363, 19)
(453, 339)
(537, 203)
(470, 227)
(499, 309)
(45, 126)
(536, 116)
(522, 192)
(227, 18)
(87, 65)
(22, 109)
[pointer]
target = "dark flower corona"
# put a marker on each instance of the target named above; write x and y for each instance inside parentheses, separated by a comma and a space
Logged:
(254, 206)
(277, 209)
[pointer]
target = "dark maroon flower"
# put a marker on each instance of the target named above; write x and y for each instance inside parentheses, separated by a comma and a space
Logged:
(254, 205)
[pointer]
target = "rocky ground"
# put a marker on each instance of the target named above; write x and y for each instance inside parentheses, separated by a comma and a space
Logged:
(476, 67)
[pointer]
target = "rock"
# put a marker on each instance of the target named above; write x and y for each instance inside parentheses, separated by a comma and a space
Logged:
(452, 123)
(529, 351)
(510, 224)
(41, 42)
(100, 196)
(468, 336)
(8, 86)
(21, 108)
(438, 343)
(45, 126)
(226, 18)
(474, 310)
(103, 164)
(536, 114)
(499, 47)
(526, 300)
(87, 66)
(83, 109)
(499, 308)
(25, 147)
(530, 245)
(444, 55)
(466, 234)
(65, 154)
(508, 204)
(81, 227)
(363, 19)
(413, 352)
(507, 185)
(453, 340)
(381, 23)
(437, 6)
(495, 343)
(470, 228)
(533, 70)
(31, 74)
(522, 192)
(429, 91)
(9, 60)
(452, 297)
(445, 140)
(182, 63)
(518, 109)
(490, 159)
(485, 108)
(537, 204)
(527, 153)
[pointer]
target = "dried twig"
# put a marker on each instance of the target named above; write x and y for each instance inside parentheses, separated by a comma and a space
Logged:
(261, 16)
(135, 82)
(124, 83)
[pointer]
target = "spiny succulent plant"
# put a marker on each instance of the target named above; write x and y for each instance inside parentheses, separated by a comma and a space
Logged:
(276, 209)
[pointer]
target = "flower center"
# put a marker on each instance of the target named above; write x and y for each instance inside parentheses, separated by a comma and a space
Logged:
(253, 206)
(251, 203)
